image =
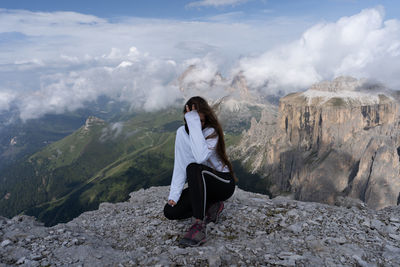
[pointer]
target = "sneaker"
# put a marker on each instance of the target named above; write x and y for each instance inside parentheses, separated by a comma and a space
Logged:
(214, 211)
(195, 236)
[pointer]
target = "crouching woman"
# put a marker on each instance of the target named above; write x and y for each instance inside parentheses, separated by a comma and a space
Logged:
(201, 160)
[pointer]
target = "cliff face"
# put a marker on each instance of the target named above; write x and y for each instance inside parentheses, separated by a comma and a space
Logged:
(310, 123)
(335, 139)
(377, 182)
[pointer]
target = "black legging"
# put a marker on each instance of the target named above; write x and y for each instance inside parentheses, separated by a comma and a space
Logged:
(206, 186)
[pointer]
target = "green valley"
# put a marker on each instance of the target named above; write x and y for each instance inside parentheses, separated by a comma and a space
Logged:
(100, 162)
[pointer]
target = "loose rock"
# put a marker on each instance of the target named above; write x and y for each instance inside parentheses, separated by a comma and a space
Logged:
(253, 231)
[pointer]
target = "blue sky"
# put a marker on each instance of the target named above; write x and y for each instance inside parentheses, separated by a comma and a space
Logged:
(57, 55)
(181, 9)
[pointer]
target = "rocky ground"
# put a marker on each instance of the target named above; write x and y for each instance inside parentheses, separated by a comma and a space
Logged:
(253, 231)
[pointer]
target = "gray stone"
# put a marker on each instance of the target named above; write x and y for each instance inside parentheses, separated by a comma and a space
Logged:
(6, 242)
(214, 260)
(295, 228)
(36, 257)
(395, 237)
(376, 224)
(360, 261)
(21, 261)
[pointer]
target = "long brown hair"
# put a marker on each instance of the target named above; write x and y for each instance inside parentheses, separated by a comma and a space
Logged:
(211, 120)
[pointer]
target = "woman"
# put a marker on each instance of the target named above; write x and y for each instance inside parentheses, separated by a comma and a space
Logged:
(200, 158)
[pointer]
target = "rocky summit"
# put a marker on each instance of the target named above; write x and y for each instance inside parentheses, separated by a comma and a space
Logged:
(253, 231)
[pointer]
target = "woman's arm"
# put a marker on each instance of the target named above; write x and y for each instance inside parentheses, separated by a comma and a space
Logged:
(181, 160)
(201, 147)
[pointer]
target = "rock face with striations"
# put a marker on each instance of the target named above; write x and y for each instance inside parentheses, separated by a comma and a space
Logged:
(338, 138)
(253, 231)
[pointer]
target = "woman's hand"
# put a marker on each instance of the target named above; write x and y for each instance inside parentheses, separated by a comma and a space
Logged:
(171, 203)
(193, 108)
(201, 115)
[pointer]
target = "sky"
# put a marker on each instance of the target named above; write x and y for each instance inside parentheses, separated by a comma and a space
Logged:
(55, 56)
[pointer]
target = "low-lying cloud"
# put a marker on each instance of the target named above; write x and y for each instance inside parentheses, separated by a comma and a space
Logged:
(5, 99)
(133, 77)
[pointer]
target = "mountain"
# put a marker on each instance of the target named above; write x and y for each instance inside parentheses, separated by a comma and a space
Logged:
(253, 231)
(19, 139)
(99, 162)
(339, 138)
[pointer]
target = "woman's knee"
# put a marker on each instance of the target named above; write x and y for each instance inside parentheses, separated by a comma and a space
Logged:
(193, 168)
(169, 212)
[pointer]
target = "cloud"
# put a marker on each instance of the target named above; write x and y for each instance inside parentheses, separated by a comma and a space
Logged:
(133, 77)
(6, 98)
(111, 132)
(363, 46)
(56, 62)
(202, 77)
(40, 36)
(216, 3)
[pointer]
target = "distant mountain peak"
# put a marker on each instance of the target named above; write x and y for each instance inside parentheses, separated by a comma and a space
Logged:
(342, 91)
(214, 86)
(92, 121)
(341, 83)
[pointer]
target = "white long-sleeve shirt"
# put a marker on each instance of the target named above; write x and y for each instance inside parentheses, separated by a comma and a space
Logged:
(193, 148)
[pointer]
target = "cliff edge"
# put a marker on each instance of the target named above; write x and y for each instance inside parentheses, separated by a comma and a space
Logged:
(253, 230)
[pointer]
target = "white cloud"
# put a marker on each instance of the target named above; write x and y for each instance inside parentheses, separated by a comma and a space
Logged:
(363, 46)
(5, 99)
(47, 36)
(111, 132)
(134, 81)
(216, 3)
(53, 62)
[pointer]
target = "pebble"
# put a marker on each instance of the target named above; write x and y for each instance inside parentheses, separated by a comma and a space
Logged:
(360, 261)
(295, 228)
(21, 261)
(214, 260)
(5, 243)
(395, 237)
